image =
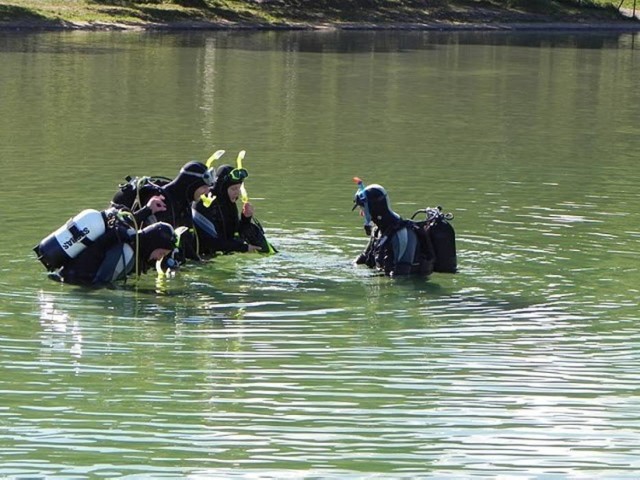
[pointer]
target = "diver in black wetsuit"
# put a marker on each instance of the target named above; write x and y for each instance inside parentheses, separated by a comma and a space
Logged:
(218, 224)
(193, 181)
(396, 246)
(119, 252)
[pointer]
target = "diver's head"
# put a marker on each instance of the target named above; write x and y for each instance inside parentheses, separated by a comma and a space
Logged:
(229, 182)
(156, 241)
(194, 180)
(374, 202)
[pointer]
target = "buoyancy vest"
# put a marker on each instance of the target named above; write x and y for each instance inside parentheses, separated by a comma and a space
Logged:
(402, 249)
(111, 257)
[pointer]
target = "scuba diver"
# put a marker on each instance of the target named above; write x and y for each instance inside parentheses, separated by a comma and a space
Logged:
(193, 180)
(217, 224)
(396, 246)
(119, 252)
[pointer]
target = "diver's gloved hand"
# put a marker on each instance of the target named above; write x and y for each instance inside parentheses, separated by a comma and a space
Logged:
(361, 259)
(171, 261)
(178, 256)
(367, 229)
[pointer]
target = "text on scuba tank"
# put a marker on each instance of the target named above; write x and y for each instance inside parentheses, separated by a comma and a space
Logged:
(69, 243)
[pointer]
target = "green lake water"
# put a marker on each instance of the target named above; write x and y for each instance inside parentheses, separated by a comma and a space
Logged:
(299, 365)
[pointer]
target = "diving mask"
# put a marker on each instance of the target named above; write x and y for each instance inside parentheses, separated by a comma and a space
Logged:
(208, 177)
(238, 174)
(360, 200)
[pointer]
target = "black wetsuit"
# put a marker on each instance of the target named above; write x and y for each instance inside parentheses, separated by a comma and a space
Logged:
(217, 226)
(107, 260)
(178, 196)
(396, 246)
(112, 256)
(400, 249)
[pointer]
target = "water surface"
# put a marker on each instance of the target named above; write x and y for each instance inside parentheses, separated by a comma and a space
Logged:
(524, 364)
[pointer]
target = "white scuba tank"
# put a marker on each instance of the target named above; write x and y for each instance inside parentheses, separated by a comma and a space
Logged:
(72, 238)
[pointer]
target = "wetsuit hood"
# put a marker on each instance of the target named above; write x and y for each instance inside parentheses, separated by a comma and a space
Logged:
(224, 181)
(375, 201)
(156, 235)
(192, 176)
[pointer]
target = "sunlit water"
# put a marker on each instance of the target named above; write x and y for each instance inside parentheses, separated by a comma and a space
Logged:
(522, 365)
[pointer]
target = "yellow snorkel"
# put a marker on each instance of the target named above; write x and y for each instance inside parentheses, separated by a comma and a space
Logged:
(243, 191)
(214, 158)
(245, 199)
(209, 198)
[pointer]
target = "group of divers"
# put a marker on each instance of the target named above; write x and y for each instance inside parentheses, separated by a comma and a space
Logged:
(165, 223)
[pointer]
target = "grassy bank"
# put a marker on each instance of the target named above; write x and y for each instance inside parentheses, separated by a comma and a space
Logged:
(301, 13)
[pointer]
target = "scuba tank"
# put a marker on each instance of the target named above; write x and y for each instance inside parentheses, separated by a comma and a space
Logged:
(68, 241)
(128, 193)
(443, 239)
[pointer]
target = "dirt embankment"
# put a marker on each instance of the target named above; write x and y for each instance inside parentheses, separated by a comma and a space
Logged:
(278, 14)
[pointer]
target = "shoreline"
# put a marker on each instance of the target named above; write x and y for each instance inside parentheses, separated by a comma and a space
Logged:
(629, 25)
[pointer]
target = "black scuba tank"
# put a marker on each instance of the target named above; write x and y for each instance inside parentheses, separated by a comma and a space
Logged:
(72, 238)
(128, 191)
(443, 239)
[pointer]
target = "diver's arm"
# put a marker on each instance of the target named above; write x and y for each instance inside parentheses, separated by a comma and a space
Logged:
(367, 256)
(142, 215)
(220, 244)
(154, 205)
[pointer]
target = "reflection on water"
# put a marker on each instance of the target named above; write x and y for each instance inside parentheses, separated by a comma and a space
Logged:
(330, 41)
(299, 364)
